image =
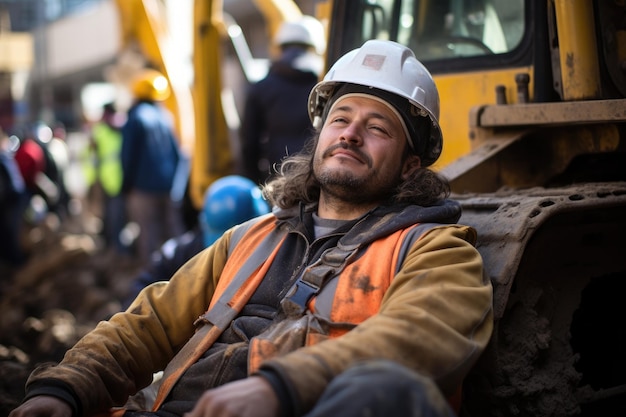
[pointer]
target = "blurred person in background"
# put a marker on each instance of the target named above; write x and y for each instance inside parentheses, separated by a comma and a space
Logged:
(32, 163)
(107, 143)
(274, 122)
(56, 155)
(60, 153)
(229, 201)
(150, 160)
(12, 202)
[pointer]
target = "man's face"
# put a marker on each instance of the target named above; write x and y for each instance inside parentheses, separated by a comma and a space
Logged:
(359, 154)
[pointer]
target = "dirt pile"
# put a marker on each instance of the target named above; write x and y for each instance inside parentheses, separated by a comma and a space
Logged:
(67, 286)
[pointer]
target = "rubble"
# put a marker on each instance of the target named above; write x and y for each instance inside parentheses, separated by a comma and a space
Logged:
(69, 283)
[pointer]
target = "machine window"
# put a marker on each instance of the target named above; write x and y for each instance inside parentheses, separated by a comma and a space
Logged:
(446, 29)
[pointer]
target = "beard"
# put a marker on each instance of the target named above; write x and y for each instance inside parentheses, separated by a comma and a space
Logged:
(344, 185)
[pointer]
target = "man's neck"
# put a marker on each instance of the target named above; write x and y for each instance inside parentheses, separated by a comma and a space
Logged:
(336, 209)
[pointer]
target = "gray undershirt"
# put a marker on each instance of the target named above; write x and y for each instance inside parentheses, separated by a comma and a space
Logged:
(322, 227)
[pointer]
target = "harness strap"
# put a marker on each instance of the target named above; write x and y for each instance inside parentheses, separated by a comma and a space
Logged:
(314, 277)
(332, 262)
(213, 322)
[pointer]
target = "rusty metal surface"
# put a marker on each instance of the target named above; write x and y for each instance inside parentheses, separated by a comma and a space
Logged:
(551, 114)
(488, 149)
(524, 158)
(506, 221)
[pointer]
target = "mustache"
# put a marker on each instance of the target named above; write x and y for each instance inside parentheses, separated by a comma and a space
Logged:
(352, 148)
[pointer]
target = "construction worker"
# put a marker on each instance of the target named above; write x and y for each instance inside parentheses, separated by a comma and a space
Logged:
(32, 159)
(150, 160)
(107, 142)
(273, 124)
(13, 198)
(357, 295)
(229, 201)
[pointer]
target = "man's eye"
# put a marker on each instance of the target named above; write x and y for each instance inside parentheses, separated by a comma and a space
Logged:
(378, 128)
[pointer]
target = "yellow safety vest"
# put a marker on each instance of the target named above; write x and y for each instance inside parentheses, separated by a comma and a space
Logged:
(109, 145)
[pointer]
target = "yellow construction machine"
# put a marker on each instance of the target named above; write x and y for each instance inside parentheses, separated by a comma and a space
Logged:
(533, 112)
(197, 107)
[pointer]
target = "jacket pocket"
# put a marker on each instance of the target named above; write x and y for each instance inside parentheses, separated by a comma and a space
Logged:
(286, 336)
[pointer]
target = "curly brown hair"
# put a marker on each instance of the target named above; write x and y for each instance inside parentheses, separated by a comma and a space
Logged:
(295, 183)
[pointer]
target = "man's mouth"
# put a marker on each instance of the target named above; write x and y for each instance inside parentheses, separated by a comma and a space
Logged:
(346, 151)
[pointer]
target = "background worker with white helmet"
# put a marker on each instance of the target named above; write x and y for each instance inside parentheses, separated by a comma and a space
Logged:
(150, 158)
(359, 294)
(274, 124)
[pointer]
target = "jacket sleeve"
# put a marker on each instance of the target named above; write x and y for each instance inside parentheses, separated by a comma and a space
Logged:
(120, 355)
(436, 318)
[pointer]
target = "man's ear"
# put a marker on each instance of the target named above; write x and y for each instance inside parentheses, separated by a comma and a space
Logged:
(411, 164)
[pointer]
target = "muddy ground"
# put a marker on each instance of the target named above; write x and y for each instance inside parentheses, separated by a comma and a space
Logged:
(69, 283)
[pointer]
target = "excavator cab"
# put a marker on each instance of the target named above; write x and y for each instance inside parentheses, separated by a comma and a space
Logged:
(445, 29)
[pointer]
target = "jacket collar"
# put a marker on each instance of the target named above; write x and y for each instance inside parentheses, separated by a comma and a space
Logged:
(377, 223)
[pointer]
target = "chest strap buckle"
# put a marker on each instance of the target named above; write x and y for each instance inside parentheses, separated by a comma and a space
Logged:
(303, 294)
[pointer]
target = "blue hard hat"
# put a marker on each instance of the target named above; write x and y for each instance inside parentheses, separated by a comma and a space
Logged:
(229, 201)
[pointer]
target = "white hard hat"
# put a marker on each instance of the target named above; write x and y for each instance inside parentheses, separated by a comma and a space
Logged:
(391, 72)
(306, 31)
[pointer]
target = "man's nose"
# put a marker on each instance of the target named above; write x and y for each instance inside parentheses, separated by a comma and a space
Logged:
(352, 133)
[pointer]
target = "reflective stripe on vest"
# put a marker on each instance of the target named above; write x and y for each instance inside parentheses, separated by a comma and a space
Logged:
(234, 289)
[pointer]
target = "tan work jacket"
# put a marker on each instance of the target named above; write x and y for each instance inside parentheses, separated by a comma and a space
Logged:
(430, 309)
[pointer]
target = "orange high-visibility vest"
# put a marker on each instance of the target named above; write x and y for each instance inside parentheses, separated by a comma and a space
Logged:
(360, 283)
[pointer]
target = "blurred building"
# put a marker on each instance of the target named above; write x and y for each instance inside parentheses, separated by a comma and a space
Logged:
(63, 45)
(54, 53)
